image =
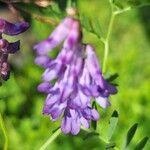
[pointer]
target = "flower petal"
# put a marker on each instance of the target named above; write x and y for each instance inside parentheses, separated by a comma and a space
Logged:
(103, 101)
(57, 36)
(66, 125)
(12, 29)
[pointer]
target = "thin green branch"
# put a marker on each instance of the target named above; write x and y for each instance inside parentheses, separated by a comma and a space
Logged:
(51, 139)
(106, 41)
(4, 132)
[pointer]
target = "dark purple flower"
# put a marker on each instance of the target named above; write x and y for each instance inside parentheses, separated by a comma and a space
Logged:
(12, 29)
(78, 78)
(7, 48)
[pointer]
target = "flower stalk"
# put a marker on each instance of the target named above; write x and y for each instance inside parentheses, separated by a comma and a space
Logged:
(51, 139)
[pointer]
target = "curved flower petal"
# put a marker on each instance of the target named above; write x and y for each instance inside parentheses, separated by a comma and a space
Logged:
(57, 36)
(43, 61)
(12, 29)
(75, 126)
(44, 87)
(84, 122)
(66, 125)
(103, 101)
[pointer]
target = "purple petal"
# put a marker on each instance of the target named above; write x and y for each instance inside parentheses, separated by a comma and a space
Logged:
(44, 87)
(66, 125)
(93, 66)
(52, 99)
(75, 126)
(95, 114)
(91, 90)
(53, 72)
(102, 101)
(57, 36)
(111, 89)
(74, 36)
(84, 122)
(43, 61)
(55, 113)
(12, 29)
(13, 47)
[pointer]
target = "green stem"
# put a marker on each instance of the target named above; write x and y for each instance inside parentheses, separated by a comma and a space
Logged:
(51, 139)
(4, 132)
(106, 42)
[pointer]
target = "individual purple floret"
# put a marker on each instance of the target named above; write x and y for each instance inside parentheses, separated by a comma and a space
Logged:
(78, 78)
(7, 48)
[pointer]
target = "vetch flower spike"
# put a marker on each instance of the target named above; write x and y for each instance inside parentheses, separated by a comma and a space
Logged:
(7, 48)
(78, 78)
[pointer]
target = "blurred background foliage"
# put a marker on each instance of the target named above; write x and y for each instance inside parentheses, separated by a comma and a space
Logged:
(21, 104)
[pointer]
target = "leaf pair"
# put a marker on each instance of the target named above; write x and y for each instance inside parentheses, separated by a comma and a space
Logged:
(91, 25)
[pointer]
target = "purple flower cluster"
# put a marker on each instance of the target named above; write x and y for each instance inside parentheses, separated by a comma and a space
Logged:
(77, 75)
(7, 48)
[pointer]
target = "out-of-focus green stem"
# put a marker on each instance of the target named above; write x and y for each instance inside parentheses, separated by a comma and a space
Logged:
(51, 139)
(106, 41)
(4, 132)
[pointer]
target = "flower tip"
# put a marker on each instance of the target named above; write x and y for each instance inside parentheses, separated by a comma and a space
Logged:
(25, 26)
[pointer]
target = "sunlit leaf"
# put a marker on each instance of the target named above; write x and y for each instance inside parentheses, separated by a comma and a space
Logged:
(113, 124)
(141, 144)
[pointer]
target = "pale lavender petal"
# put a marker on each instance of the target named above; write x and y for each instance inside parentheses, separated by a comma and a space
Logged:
(94, 114)
(75, 126)
(43, 61)
(66, 125)
(44, 87)
(103, 101)
(52, 99)
(53, 72)
(84, 122)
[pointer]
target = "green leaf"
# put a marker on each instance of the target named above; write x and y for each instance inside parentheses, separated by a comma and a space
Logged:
(85, 21)
(96, 27)
(94, 123)
(112, 77)
(112, 125)
(92, 26)
(90, 135)
(130, 135)
(141, 144)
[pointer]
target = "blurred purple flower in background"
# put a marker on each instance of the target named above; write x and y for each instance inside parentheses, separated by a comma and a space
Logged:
(7, 48)
(78, 78)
